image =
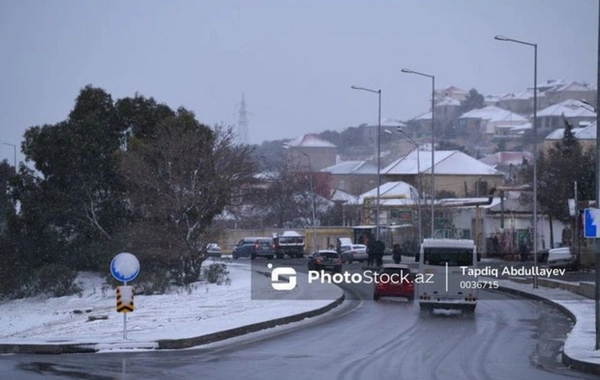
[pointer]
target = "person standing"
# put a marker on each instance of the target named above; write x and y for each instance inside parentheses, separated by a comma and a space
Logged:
(397, 253)
(371, 252)
(379, 252)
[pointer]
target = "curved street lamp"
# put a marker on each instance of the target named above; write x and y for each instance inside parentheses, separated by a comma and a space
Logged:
(432, 77)
(534, 133)
(378, 92)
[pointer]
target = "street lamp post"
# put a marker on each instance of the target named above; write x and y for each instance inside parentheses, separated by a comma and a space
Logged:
(312, 190)
(432, 77)
(378, 92)
(14, 153)
(534, 132)
(419, 180)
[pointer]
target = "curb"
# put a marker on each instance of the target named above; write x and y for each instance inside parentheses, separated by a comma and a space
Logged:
(73, 348)
(48, 348)
(566, 359)
(243, 330)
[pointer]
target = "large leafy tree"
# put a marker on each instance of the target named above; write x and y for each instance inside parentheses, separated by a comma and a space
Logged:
(79, 185)
(473, 100)
(178, 181)
(562, 165)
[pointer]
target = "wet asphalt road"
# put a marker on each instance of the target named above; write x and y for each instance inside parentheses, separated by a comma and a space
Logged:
(507, 338)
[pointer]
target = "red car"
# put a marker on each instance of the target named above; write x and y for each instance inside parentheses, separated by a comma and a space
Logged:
(394, 280)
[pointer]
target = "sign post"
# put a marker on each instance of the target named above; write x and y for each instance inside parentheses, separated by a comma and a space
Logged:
(125, 267)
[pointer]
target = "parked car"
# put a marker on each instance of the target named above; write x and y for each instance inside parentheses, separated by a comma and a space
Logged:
(327, 260)
(394, 280)
(254, 247)
(559, 258)
(357, 252)
(213, 250)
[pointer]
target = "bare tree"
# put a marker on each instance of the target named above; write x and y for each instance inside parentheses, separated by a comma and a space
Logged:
(178, 181)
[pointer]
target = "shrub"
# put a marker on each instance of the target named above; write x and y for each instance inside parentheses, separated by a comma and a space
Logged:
(152, 281)
(217, 273)
(56, 279)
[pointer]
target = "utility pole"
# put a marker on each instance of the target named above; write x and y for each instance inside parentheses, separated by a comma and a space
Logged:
(597, 241)
(242, 124)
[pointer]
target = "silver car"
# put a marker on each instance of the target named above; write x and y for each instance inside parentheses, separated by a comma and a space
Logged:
(357, 252)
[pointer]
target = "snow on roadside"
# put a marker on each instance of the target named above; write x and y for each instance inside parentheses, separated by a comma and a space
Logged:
(202, 309)
(580, 342)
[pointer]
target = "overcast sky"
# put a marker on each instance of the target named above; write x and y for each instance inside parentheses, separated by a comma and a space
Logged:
(294, 60)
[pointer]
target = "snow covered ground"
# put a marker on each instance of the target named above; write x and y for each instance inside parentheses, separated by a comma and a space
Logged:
(202, 309)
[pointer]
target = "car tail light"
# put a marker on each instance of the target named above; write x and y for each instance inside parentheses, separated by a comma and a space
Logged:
(319, 260)
(339, 260)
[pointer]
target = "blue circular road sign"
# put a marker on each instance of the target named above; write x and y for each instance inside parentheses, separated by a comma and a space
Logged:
(125, 267)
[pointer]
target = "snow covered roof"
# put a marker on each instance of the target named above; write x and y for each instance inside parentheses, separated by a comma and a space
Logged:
(342, 196)
(351, 167)
(493, 98)
(452, 90)
(523, 95)
(581, 133)
(520, 127)
(392, 123)
(552, 83)
(392, 193)
(448, 102)
(310, 140)
(447, 162)
(493, 114)
(425, 116)
(570, 108)
(506, 158)
(571, 86)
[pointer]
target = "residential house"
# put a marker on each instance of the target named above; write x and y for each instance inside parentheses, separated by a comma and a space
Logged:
(586, 136)
(370, 132)
(569, 90)
(451, 92)
(508, 163)
(311, 153)
(446, 112)
(572, 110)
(398, 209)
(454, 172)
(520, 102)
(420, 126)
(489, 121)
(353, 177)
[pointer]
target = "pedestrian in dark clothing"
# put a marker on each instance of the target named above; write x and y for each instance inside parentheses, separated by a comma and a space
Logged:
(379, 252)
(371, 251)
(523, 251)
(397, 253)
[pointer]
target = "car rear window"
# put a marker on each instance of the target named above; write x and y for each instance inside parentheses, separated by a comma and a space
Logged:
(398, 271)
(330, 255)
